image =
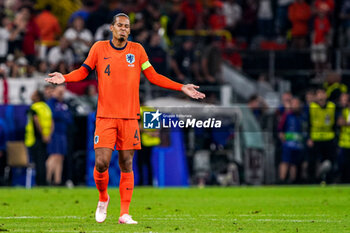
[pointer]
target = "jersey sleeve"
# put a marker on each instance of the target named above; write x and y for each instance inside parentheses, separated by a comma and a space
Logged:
(160, 80)
(153, 76)
(78, 74)
(144, 63)
(91, 60)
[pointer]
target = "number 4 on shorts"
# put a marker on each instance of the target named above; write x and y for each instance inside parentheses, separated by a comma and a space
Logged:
(136, 135)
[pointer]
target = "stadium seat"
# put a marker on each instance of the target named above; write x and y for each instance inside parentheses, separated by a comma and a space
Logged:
(17, 156)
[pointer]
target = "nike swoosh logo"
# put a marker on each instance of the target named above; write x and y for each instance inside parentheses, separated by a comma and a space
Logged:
(136, 144)
(106, 58)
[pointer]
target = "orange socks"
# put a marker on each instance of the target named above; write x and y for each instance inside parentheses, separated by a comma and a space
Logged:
(101, 180)
(126, 187)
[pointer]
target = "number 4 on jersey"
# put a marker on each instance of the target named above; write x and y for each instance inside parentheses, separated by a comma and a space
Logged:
(108, 70)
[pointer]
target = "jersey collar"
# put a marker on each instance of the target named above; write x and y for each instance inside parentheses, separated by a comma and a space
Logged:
(116, 47)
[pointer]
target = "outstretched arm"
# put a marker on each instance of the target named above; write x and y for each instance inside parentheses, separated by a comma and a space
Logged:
(79, 74)
(162, 81)
(74, 76)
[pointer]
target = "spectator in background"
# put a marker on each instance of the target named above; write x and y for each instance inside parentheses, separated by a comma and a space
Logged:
(49, 29)
(344, 141)
(217, 20)
(173, 18)
(59, 53)
(157, 55)
(334, 87)
(103, 33)
(322, 123)
(258, 107)
(103, 14)
(281, 22)
(139, 25)
(58, 145)
(192, 13)
(62, 67)
(48, 90)
(344, 100)
(38, 134)
(17, 33)
(4, 38)
(142, 37)
(299, 13)
(248, 25)
(309, 98)
(265, 18)
(79, 38)
(211, 62)
(21, 68)
(90, 97)
(345, 17)
(286, 102)
(290, 133)
(320, 41)
(30, 32)
(327, 6)
(9, 67)
(233, 14)
(42, 68)
(31, 70)
(83, 12)
(232, 55)
(48, 25)
(263, 86)
(184, 64)
(152, 15)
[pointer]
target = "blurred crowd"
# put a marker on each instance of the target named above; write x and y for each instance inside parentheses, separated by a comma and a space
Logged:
(312, 136)
(182, 37)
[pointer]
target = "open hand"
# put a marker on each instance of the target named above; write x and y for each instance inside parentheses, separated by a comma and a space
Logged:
(190, 90)
(56, 78)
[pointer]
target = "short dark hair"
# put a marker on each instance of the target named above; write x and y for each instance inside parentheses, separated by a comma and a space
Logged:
(119, 15)
(41, 95)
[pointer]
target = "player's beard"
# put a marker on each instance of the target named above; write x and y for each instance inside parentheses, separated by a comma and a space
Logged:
(121, 39)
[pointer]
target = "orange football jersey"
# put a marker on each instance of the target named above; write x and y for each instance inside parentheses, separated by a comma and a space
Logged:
(118, 71)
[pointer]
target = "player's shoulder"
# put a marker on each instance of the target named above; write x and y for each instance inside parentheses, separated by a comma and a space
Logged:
(136, 45)
(99, 44)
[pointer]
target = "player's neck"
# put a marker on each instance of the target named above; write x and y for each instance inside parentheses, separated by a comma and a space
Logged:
(119, 44)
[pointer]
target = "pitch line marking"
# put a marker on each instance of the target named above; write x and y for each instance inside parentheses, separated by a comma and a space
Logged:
(245, 220)
(41, 217)
(52, 231)
(283, 215)
(178, 218)
(292, 220)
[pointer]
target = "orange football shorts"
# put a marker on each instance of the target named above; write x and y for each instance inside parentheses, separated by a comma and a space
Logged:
(124, 134)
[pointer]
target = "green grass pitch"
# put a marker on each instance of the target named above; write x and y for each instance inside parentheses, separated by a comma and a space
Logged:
(234, 209)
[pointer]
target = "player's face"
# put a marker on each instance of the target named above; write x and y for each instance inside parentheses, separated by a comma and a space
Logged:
(121, 28)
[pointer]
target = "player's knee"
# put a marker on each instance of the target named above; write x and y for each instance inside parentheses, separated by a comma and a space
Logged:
(101, 164)
(126, 164)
